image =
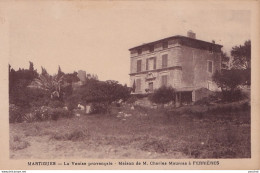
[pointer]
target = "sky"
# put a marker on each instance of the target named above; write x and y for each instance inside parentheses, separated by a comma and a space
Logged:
(96, 36)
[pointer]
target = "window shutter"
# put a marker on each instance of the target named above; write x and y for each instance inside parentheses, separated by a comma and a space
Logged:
(139, 65)
(164, 80)
(164, 61)
(154, 63)
(146, 64)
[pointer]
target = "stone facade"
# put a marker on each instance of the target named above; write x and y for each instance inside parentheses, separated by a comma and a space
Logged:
(185, 63)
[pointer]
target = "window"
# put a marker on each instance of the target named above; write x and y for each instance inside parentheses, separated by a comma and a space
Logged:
(139, 65)
(210, 50)
(151, 86)
(210, 66)
(154, 63)
(164, 80)
(164, 61)
(165, 45)
(151, 48)
(151, 63)
(138, 84)
(139, 51)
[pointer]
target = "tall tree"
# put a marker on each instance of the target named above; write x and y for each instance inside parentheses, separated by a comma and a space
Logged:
(60, 73)
(31, 68)
(242, 56)
(224, 60)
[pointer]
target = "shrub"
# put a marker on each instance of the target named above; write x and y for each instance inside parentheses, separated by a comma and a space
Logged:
(29, 117)
(163, 95)
(15, 113)
(56, 104)
(57, 113)
(72, 102)
(99, 108)
(132, 99)
(207, 100)
(229, 82)
(41, 113)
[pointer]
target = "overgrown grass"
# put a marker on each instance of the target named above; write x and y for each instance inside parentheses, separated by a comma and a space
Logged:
(75, 135)
(216, 131)
(17, 143)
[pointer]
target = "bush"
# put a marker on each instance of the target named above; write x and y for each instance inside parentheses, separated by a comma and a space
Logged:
(207, 100)
(57, 113)
(132, 99)
(163, 95)
(99, 108)
(45, 113)
(56, 104)
(72, 102)
(41, 113)
(229, 82)
(15, 114)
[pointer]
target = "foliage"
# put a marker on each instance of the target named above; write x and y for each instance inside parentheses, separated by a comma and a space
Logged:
(101, 93)
(56, 104)
(46, 113)
(57, 113)
(207, 100)
(15, 113)
(242, 56)
(71, 77)
(18, 82)
(229, 82)
(163, 95)
(224, 60)
(51, 84)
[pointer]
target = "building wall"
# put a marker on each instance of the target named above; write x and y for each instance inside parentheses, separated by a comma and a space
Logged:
(193, 63)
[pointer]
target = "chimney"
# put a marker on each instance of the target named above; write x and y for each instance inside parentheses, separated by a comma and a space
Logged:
(191, 34)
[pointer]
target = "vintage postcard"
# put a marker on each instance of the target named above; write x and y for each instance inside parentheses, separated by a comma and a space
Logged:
(129, 85)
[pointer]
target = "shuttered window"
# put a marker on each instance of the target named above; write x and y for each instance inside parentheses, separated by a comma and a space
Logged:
(151, 48)
(139, 65)
(164, 61)
(164, 80)
(147, 64)
(138, 84)
(165, 45)
(154, 63)
(139, 51)
(210, 66)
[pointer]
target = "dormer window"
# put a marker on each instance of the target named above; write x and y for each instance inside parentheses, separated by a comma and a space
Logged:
(210, 49)
(139, 51)
(165, 45)
(151, 48)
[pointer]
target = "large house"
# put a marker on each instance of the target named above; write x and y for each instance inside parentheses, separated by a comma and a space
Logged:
(185, 63)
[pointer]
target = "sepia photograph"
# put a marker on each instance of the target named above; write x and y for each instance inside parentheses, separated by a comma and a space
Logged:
(129, 80)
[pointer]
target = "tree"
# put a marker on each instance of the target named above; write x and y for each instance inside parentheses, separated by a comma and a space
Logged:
(224, 60)
(60, 73)
(52, 84)
(101, 93)
(31, 68)
(18, 82)
(242, 56)
(163, 95)
(229, 81)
